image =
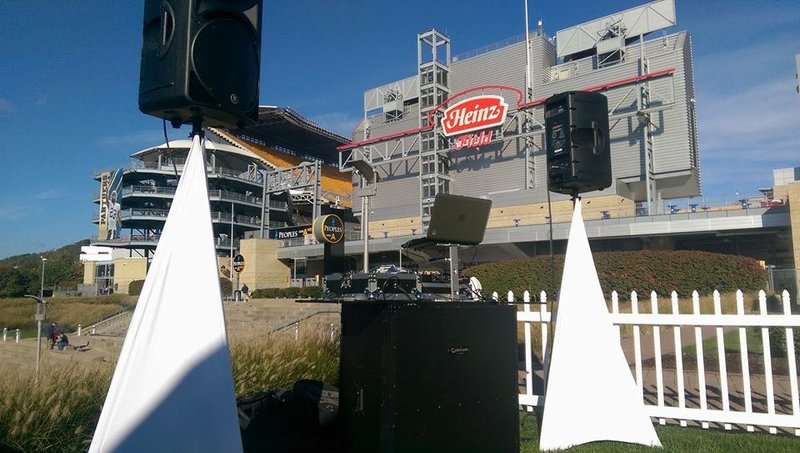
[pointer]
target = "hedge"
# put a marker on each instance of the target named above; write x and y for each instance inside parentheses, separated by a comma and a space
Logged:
(661, 271)
(135, 287)
(313, 292)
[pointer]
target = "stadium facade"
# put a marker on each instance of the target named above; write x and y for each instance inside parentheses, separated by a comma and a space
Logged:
(275, 177)
(261, 181)
(650, 89)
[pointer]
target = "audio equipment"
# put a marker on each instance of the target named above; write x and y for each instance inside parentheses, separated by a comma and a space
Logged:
(578, 148)
(201, 61)
(457, 219)
(371, 286)
(430, 376)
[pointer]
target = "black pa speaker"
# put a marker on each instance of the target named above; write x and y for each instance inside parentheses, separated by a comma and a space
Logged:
(428, 377)
(578, 148)
(201, 59)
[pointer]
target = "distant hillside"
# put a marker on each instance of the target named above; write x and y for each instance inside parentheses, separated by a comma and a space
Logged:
(21, 274)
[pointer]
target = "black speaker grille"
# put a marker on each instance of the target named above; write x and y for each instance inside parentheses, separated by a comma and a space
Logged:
(229, 78)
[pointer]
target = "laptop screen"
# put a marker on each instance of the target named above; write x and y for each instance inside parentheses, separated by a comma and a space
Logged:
(458, 219)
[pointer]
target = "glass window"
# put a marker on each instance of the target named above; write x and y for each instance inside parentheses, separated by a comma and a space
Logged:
(441, 76)
(426, 76)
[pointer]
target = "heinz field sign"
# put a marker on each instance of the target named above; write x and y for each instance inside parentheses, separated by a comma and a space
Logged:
(474, 114)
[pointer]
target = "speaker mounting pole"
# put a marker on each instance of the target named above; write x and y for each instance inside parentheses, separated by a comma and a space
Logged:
(197, 127)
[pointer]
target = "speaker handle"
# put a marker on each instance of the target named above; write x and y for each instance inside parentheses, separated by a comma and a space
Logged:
(598, 138)
(167, 28)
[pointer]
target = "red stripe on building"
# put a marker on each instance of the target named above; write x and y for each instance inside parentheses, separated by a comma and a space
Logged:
(603, 86)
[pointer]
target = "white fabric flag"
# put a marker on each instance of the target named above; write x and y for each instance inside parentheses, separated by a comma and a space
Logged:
(172, 388)
(591, 394)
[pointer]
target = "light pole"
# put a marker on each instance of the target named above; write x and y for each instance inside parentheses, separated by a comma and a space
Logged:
(41, 308)
(40, 313)
(41, 288)
(233, 217)
(368, 189)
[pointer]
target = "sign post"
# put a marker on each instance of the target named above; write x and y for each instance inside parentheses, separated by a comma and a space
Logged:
(41, 310)
(238, 266)
(329, 229)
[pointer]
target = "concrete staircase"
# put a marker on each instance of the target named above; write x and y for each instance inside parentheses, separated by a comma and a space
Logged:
(115, 326)
(257, 316)
(266, 316)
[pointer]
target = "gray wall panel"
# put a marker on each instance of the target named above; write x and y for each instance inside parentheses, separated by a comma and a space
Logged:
(499, 170)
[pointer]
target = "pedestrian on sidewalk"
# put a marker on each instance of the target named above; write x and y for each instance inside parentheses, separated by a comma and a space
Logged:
(49, 333)
(54, 333)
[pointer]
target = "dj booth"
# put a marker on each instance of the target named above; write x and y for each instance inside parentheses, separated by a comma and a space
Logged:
(424, 366)
(428, 376)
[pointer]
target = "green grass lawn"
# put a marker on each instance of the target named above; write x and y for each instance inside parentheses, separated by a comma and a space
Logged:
(674, 439)
(66, 312)
(731, 341)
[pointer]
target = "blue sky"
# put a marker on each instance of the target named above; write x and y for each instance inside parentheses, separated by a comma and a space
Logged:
(69, 86)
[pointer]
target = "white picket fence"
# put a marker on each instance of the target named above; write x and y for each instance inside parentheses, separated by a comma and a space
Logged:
(691, 393)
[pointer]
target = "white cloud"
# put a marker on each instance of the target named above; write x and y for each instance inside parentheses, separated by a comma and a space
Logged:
(761, 113)
(747, 17)
(48, 195)
(6, 106)
(143, 138)
(14, 213)
(748, 109)
(338, 122)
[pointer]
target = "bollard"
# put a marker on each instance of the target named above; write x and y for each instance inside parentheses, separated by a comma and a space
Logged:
(17, 335)
(79, 330)
(94, 328)
(296, 330)
(5, 333)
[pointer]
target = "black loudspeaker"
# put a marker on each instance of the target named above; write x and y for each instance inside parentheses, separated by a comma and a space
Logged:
(201, 59)
(428, 377)
(578, 148)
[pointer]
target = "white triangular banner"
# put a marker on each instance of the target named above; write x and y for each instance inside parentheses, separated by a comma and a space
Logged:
(172, 389)
(591, 394)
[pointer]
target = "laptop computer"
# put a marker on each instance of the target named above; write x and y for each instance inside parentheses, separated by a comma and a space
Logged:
(457, 219)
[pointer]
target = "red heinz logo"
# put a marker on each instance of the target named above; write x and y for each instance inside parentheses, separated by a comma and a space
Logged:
(476, 113)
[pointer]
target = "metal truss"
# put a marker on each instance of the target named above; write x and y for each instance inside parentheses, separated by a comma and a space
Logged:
(521, 123)
(304, 175)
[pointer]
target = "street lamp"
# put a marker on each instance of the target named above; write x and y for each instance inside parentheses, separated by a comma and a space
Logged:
(41, 288)
(41, 309)
(368, 189)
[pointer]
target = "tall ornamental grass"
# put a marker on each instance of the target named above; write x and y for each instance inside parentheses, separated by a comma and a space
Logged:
(263, 363)
(60, 412)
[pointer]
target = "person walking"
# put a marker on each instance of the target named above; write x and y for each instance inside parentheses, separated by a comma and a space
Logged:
(53, 334)
(49, 333)
(245, 293)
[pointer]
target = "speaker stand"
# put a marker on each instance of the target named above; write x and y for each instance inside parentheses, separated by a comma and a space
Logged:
(197, 127)
(454, 271)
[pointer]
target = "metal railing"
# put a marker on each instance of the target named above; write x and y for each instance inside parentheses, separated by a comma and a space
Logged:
(161, 214)
(149, 190)
(332, 331)
(16, 332)
(179, 163)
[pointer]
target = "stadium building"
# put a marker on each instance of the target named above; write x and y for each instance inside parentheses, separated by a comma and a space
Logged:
(263, 182)
(274, 178)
